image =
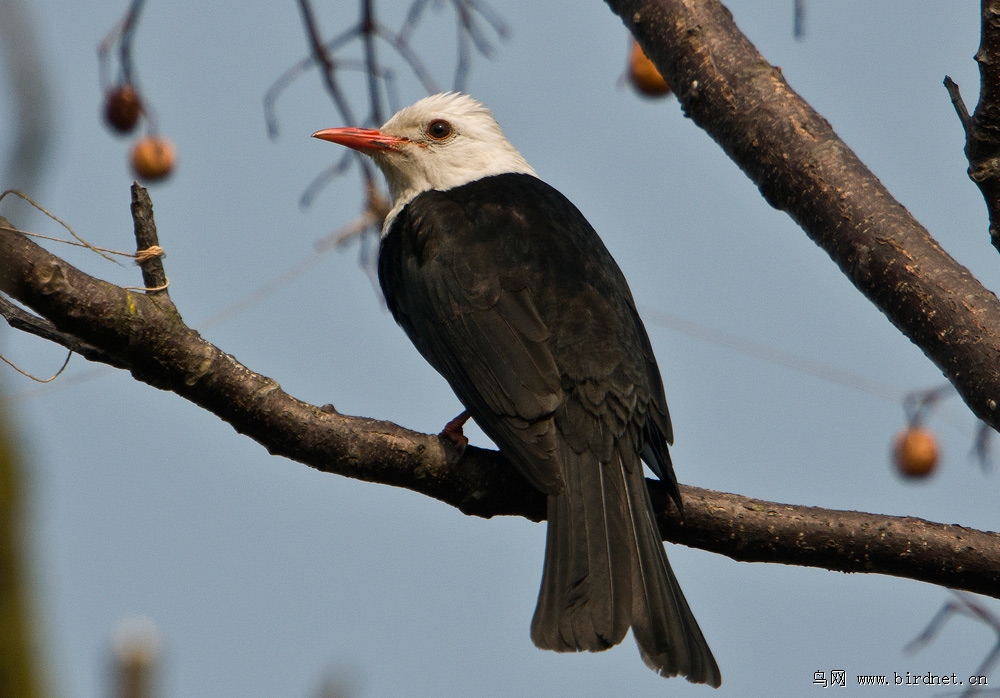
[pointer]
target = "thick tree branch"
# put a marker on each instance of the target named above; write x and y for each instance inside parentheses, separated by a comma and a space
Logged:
(804, 169)
(146, 335)
(751, 530)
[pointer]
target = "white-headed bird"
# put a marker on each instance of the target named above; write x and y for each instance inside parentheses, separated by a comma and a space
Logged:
(507, 290)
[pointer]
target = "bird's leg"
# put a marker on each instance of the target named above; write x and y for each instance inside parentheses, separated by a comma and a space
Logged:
(453, 431)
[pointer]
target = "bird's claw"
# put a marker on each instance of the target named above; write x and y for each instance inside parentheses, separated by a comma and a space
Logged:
(452, 432)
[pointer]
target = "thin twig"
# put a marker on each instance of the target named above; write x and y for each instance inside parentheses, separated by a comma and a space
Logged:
(328, 67)
(24, 321)
(966, 605)
(956, 100)
(153, 275)
(290, 75)
(368, 25)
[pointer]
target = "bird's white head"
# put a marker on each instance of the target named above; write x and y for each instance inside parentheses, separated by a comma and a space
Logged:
(441, 142)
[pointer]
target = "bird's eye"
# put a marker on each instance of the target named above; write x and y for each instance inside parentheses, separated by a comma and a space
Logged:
(439, 129)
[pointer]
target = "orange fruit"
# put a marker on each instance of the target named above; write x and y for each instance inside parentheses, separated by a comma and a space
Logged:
(643, 74)
(915, 452)
(153, 158)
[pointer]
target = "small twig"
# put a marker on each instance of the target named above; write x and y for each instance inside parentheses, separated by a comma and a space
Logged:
(467, 21)
(329, 69)
(982, 446)
(320, 180)
(982, 128)
(125, 45)
(326, 63)
(464, 52)
(123, 33)
(368, 33)
(402, 46)
(24, 321)
(153, 275)
(969, 606)
(956, 100)
(368, 30)
(63, 241)
(918, 403)
(289, 76)
(799, 20)
(371, 217)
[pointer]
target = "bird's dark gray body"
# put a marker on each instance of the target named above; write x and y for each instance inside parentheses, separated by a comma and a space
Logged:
(510, 294)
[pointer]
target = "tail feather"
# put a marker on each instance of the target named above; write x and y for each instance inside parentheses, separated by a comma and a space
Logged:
(605, 569)
(669, 639)
(585, 598)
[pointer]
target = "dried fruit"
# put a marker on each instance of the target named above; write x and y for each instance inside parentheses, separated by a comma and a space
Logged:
(122, 108)
(644, 76)
(153, 158)
(915, 452)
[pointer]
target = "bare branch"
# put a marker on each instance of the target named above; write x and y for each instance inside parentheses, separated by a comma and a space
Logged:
(325, 61)
(147, 336)
(804, 169)
(123, 32)
(19, 319)
(968, 606)
(752, 530)
(146, 239)
(982, 129)
(955, 93)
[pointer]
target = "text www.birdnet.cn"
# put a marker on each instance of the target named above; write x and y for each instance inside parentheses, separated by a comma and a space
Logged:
(838, 678)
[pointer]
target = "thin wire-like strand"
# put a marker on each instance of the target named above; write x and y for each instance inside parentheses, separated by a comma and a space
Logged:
(34, 377)
(83, 243)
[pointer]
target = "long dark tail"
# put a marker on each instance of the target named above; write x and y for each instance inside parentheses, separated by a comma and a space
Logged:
(668, 636)
(605, 569)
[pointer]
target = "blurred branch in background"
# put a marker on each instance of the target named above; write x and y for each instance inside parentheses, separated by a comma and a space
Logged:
(964, 605)
(30, 100)
(153, 156)
(471, 15)
(19, 658)
(136, 646)
(28, 137)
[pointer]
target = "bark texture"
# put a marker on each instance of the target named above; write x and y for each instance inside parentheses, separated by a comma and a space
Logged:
(801, 167)
(144, 333)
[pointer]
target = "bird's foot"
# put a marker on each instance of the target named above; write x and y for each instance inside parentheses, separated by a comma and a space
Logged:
(452, 432)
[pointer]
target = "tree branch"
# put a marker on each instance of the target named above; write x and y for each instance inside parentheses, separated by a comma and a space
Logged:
(982, 128)
(804, 169)
(147, 336)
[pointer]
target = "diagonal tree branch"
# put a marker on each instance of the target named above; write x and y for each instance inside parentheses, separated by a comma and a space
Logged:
(804, 169)
(145, 334)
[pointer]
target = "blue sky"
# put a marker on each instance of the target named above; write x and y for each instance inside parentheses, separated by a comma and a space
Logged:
(264, 576)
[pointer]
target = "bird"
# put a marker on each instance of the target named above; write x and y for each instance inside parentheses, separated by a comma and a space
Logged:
(509, 293)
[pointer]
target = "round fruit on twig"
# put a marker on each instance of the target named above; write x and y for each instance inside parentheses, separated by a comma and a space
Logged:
(153, 158)
(122, 108)
(644, 76)
(915, 452)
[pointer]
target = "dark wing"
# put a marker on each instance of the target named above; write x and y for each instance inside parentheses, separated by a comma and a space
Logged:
(461, 294)
(509, 293)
